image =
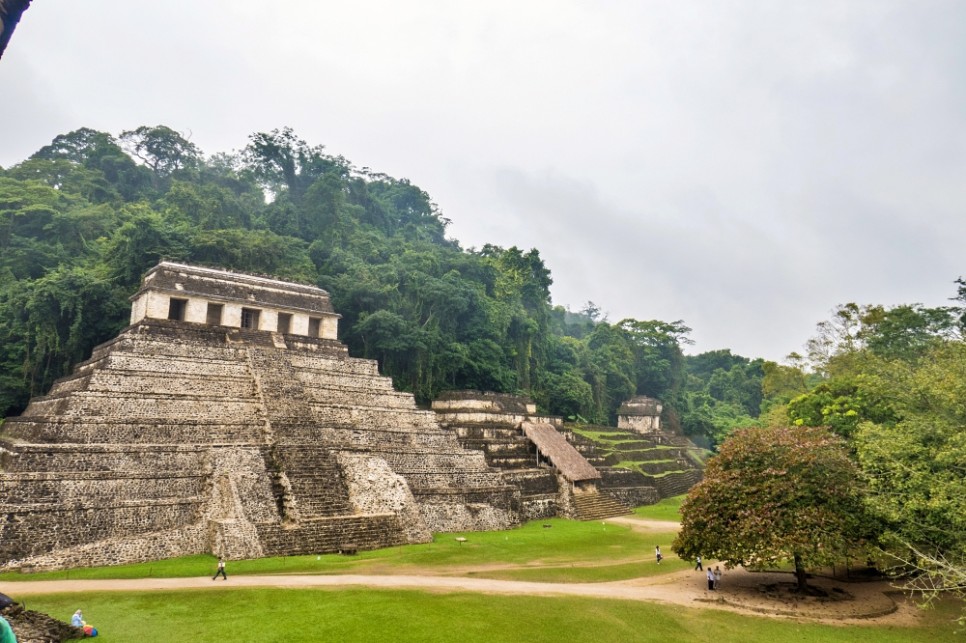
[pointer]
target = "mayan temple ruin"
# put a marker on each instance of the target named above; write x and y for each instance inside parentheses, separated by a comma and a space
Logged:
(227, 418)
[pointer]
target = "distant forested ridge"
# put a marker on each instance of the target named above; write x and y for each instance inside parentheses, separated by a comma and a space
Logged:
(85, 216)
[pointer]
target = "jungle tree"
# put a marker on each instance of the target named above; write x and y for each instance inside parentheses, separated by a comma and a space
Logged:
(775, 495)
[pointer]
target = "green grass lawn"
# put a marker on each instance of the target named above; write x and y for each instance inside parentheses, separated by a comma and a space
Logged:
(566, 551)
(666, 509)
(277, 615)
(564, 543)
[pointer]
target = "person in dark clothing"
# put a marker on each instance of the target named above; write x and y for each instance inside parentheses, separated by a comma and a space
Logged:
(221, 570)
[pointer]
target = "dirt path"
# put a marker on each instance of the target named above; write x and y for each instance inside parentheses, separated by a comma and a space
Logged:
(641, 524)
(741, 591)
(871, 604)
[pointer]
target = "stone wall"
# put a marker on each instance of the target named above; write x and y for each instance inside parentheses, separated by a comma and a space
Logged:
(468, 401)
(539, 492)
(36, 627)
(34, 540)
(490, 423)
(375, 489)
(674, 484)
(630, 487)
(335, 534)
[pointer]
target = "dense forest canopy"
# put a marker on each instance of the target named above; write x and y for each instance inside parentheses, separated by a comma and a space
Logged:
(85, 216)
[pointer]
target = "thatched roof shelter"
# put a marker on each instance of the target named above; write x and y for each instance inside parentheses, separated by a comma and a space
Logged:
(555, 448)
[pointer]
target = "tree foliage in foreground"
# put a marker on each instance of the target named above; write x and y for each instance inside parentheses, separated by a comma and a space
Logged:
(895, 388)
(916, 465)
(775, 495)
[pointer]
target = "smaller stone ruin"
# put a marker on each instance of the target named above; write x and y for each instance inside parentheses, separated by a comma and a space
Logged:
(641, 414)
(533, 452)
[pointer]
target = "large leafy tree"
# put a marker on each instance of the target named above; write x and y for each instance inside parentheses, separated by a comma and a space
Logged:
(841, 403)
(162, 149)
(68, 177)
(898, 380)
(610, 372)
(775, 495)
(900, 332)
(658, 358)
(99, 151)
(915, 464)
(287, 164)
(721, 392)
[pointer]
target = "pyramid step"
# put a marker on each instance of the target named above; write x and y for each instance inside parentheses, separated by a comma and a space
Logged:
(598, 506)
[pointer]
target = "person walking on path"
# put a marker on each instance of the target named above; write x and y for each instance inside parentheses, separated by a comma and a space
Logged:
(657, 554)
(710, 575)
(717, 577)
(698, 567)
(221, 570)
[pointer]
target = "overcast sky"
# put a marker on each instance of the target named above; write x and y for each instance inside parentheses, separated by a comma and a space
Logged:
(741, 166)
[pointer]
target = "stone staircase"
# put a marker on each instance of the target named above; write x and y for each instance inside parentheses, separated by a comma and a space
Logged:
(597, 506)
(677, 483)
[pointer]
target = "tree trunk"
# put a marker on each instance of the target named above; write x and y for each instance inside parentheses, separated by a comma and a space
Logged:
(800, 573)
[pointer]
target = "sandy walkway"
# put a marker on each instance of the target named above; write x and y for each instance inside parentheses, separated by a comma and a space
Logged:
(871, 604)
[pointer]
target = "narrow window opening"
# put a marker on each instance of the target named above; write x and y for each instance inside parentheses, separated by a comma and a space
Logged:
(284, 323)
(315, 326)
(176, 308)
(214, 314)
(249, 318)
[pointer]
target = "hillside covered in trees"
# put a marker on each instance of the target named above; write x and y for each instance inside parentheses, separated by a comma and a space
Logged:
(85, 216)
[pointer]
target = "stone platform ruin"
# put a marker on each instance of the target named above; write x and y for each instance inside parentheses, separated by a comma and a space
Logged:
(535, 454)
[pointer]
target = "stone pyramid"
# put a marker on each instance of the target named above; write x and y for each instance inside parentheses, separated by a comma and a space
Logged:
(228, 418)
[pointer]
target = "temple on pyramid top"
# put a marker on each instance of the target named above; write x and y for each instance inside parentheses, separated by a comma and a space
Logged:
(220, 298)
